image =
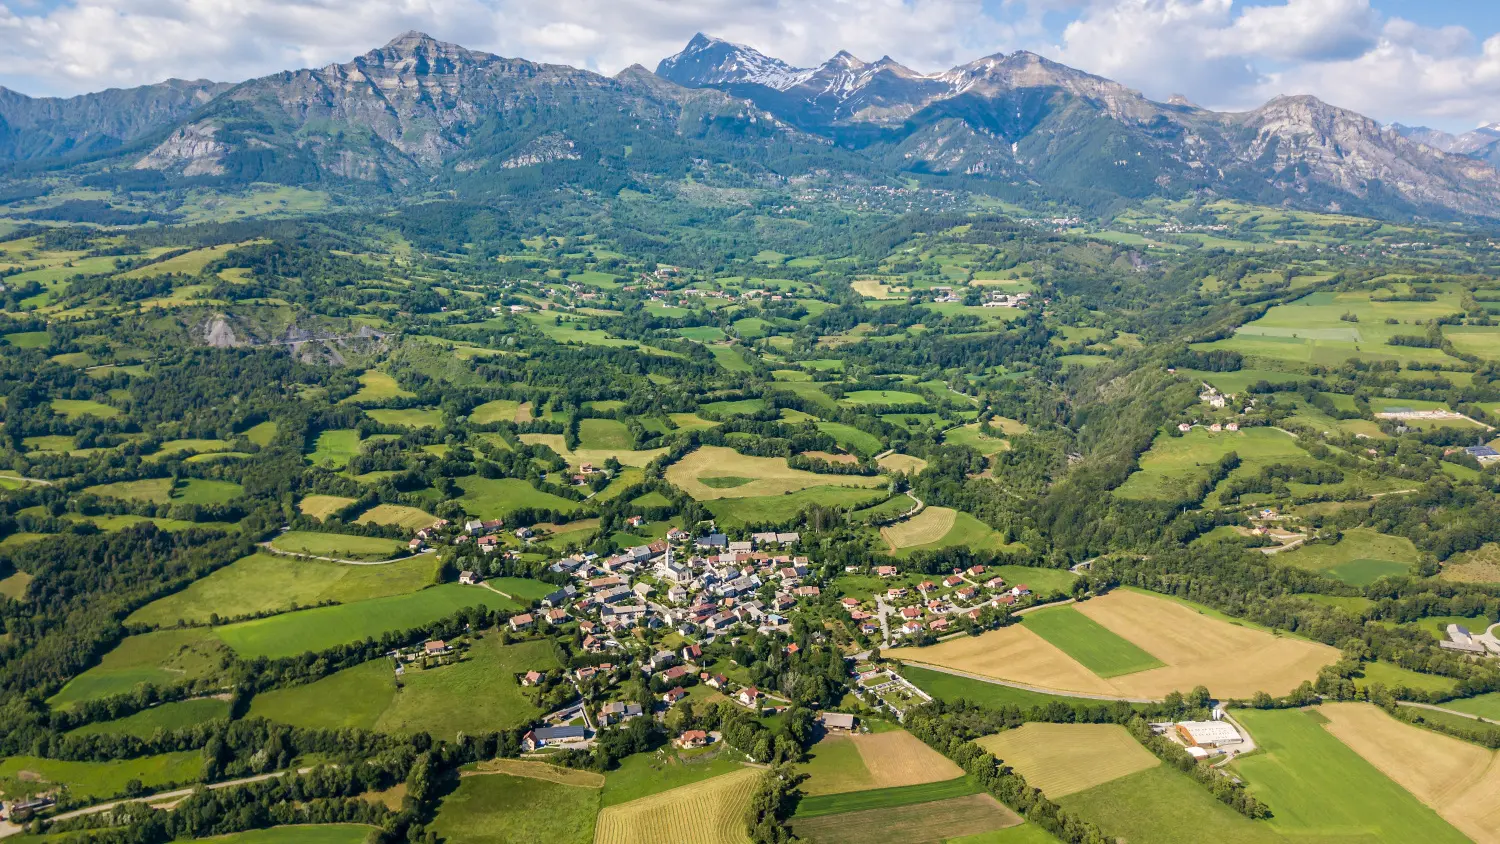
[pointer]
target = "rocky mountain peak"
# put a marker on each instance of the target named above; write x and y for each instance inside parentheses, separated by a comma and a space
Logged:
(713, 61)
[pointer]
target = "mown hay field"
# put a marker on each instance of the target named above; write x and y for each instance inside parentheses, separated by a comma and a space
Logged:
(163, 658)
(933, 822)
(596, 456)
(377, 386)
(499, 410)
(1461, 781)
(902, 463)
(1231, 658)
(538, 771)
(322, 506)
(924, 528)
(411, 518)
(165, 716)
(898, 758)
(767, 475)
(1062, 759)
(408, 417)
(709, 812)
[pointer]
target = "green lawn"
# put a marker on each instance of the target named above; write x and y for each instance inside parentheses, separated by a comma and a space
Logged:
(261, 434)
(1174, 462)
(166, 716)
(339, 545)
(164, 658)
(501, 809)
(736, 513)
(269, 582)
(377, 386)
(1094, 646)
(494, 498)
(884, 798)
(325, 627)
(966, 531)
(1024, 833)
(740, 407)
(200, 491)
(730, 358)
(1394, 677)
(703, 333)
(1316, 785)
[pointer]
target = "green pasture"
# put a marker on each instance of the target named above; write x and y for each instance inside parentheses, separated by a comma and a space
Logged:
(1360, 557)
(335, 447)
(1318, 786)
(738, 513)
(338, 545)
(1485, 705)
(967, 532)
(645, 774)
(1161, 805)
(852, 438)
(1174, 462)
(72, 409)
(326, 627)
(268, 582)
(408, 417)
(875, 398)
(1395, 677)
(604, 434)
(500, 809)
(950, 687)
(376, 386)
(163, 658)
(499, 410)
(495, 498)
(166, 716)
(97, 780)
(1092, 644)
(884, 798)
(477, 695)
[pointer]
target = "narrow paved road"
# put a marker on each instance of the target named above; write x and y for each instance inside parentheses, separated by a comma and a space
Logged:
(7, 829)
(274, 550)
(37, 481)
(1471, 716)
(1022, 686)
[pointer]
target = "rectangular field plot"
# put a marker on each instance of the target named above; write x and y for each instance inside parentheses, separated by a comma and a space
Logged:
(932, 822)
(324, 627)
(498, 809)
(709, 812)
(163, 658)
(704, 474)
(1360, 558)
(909, 795)
(1062, 759)
(1317, 785)
(342, 546)
(1163, 806)
(1089, 642)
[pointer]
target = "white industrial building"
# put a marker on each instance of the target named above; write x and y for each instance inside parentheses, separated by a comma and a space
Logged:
(1209, 734)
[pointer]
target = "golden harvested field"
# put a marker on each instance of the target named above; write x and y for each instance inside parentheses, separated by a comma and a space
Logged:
(830, 457)
(538, 771)
(596, 456)
(322, 506)
(1063, 759)
(396, 514)
(763, 475)
(899, 758)
(874, 288)
(1230, 659)
(923, 823)
(902, 463)
(1459, 780)
(1011, 653)
(926, 527)
(1481, 565)
(707, 812)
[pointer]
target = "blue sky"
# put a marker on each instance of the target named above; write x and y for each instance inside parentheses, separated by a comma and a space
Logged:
(1433, 62)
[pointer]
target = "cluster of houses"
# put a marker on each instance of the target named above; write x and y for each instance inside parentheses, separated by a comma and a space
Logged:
(1006, 300)
(935, 606)
(1461, 640)
(882, 688)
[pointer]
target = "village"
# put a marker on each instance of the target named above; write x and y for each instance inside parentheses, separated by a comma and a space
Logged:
(657, 611)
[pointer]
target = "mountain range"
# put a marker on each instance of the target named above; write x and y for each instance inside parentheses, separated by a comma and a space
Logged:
(418, 114)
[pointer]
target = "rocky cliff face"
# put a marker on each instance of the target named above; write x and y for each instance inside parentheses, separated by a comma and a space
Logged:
(418, 107)
(41, 127)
